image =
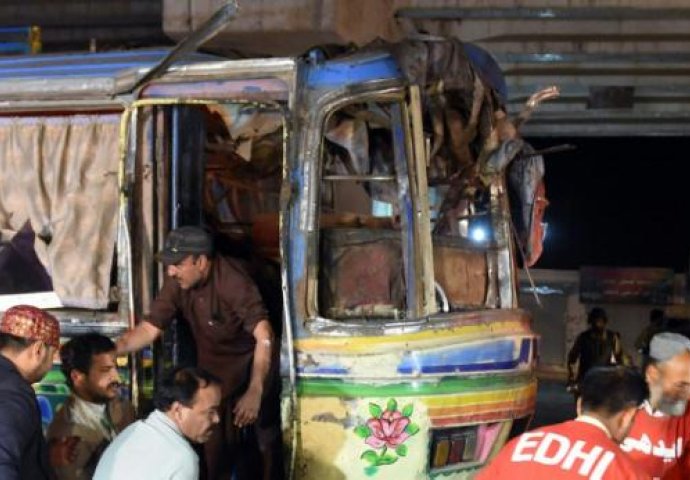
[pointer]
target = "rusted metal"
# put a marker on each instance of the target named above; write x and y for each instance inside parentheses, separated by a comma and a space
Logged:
(383, 338)
(420, 195)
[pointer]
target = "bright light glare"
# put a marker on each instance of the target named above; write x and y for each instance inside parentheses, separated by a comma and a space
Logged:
(478, 234)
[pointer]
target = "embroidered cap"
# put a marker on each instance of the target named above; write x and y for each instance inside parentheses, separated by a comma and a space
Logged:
(666, 345)
(185, 241)
(25, 321)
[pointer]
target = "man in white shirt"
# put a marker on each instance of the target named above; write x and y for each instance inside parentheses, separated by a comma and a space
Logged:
(158, 448)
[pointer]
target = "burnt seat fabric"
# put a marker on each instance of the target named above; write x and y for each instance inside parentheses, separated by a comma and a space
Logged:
(361, 273)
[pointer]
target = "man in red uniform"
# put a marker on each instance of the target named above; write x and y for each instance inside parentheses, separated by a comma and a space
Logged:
(661, 431)
(586, 447)
(234, 341)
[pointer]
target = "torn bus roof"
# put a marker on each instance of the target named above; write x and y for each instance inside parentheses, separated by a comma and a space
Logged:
(77, 75)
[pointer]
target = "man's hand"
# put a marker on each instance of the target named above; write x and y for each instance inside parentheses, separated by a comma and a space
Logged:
(63, 451)
(247, 408)
(134, 340)
(121, 344)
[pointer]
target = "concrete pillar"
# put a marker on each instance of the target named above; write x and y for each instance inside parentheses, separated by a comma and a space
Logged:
(284, 27)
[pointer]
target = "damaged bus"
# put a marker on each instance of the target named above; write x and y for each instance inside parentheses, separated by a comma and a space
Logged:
(382, 197)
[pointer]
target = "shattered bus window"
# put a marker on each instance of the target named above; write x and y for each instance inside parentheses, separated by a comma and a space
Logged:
(460, 201)
(361, 265)
(244, 151)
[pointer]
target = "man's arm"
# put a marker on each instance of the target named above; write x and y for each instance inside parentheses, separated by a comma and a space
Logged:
(247, 408)
(573, 357)
(15, 433)
(163, 310)
(134, 340)
(617, 348)
(642, 340)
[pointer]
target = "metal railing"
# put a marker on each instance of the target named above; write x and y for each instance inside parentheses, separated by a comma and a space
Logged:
(20, 40)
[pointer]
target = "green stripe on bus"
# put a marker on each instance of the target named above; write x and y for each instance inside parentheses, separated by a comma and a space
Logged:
(447, 385)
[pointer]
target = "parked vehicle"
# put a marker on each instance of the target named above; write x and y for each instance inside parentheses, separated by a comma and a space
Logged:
(368, 192)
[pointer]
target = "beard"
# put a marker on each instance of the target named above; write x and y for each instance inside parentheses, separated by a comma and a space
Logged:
(665, 404)
(102, 396)
(675, 408)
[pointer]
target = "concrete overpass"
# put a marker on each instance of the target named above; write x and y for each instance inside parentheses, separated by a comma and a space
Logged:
(623, 66)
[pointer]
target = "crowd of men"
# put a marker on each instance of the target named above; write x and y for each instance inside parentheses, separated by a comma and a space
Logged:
(632, 423)
(205, 414)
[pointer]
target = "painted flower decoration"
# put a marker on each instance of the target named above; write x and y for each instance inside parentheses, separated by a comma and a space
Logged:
(389, 430)
(386, 432)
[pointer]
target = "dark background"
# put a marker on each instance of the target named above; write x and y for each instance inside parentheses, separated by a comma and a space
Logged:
(621, 202)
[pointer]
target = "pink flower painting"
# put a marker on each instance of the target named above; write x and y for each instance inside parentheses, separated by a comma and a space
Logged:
(389, 430)
(386, 433)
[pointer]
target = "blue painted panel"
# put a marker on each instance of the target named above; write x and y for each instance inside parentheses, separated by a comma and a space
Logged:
(324, 370)
(107, 64)
(497, 355)
(488, 69)
(489, 356)
(15, 47)
(355, 69)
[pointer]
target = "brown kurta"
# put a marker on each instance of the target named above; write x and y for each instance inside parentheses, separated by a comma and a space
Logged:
(222, 313)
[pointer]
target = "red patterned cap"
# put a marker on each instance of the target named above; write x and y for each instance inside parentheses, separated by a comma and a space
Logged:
(29, 322)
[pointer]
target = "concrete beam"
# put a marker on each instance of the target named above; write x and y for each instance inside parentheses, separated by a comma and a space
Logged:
(281, 27)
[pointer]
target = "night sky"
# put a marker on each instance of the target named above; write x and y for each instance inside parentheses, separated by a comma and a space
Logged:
(621, 202)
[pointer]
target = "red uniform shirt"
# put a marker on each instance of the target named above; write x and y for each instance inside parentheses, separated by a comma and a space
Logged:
(656, 441)
(680, 470)
(578, 449)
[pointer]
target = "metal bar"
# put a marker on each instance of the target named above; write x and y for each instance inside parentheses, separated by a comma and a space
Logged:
(15, 107)
(124, 243)
(361, 178)
(197, 38)
(175, 205)
(153, 281)
(129, 169)
(607, 129)
(414, 303)
(25, 30)
(637, 60)
(573, 70)
(504, 256)
(175, 167)
(284, 228)
(549, 150)
(615, 14)
(417, 165)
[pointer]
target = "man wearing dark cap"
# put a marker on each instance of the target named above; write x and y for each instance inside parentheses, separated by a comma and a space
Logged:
(234, 342)
(661, 432)
(29, 338)
(595, 347)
